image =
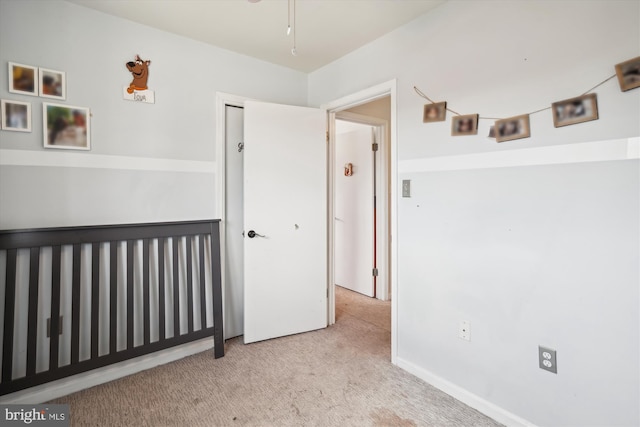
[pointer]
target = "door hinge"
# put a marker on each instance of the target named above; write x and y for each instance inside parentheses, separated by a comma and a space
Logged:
(375, 272)
(327, 136)
(374, 146)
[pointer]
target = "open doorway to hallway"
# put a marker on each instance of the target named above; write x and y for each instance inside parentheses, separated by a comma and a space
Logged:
(361, 208)
(364, 103)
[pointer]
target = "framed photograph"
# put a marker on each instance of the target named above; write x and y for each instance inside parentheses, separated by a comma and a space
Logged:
(66, 127)
(436, 112)
(16, 115)
(629, 74)
(575, 110)
(23, 79)
(512, 128)
(52, 83)
(464, 125)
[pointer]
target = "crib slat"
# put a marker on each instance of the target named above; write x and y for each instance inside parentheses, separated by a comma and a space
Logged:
(75, 305)
(9, 314)
(113, 297)
(189, 287)
(161, 299)
(54, 338)
(130, 294)
(203, 300)
(176, 290)
(145, 291)
(32, 325)
(95, 298)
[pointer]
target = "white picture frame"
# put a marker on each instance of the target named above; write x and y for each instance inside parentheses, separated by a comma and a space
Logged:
(16, 115)
(52, 83)
(66, 126)
(23, 79)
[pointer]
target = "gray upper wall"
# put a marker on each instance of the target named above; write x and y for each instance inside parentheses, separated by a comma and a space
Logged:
(148, 162)
(92, 49)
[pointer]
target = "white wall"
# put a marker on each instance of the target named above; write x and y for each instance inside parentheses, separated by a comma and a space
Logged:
(535, 241)
(147, 162)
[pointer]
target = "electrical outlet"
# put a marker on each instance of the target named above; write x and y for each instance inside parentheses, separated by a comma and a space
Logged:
(464, 330)
(547, 359)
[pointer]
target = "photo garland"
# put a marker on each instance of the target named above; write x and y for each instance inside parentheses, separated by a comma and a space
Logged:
(571, 111)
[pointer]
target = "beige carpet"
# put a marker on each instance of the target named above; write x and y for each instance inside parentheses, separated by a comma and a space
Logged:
(339, 376)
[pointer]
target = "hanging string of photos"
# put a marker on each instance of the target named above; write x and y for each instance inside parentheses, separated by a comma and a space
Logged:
(571, 111)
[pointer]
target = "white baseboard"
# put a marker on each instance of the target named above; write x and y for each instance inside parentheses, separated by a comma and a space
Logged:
(489, 409)
(46, 392)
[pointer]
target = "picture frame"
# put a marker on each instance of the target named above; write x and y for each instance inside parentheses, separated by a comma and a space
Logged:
(16, 115)
(575, 110)
(464, 125)
(66, 126)
(516, 127)
(52, 83)
(23, 79)
(628, 73)
(434, 112)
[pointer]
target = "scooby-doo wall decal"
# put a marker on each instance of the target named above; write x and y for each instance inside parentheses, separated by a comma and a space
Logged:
(138, 89)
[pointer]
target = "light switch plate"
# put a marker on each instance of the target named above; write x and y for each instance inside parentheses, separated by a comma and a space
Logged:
(406, 188)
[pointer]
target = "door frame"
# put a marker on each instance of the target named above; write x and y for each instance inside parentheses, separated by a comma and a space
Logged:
(381, 128)
(361, 97)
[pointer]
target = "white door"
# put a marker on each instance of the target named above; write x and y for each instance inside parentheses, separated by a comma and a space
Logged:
(285, 220)
(354, 256)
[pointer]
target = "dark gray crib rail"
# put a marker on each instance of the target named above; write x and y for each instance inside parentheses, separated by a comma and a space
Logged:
(57, 238)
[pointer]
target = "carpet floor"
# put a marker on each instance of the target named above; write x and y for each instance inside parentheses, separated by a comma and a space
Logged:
(338, 376)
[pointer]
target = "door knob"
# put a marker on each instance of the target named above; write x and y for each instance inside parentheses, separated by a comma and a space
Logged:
(253, 234)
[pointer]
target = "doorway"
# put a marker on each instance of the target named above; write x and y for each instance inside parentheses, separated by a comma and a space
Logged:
(355, 207)
(359, 100)
(362, 246)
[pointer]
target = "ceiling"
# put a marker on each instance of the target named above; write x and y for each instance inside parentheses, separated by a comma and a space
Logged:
(325, 30)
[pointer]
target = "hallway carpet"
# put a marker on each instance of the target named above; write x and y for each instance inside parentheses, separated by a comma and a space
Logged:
(338, 376)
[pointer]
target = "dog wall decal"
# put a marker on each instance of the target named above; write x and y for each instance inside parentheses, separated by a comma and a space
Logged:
(140, 71)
